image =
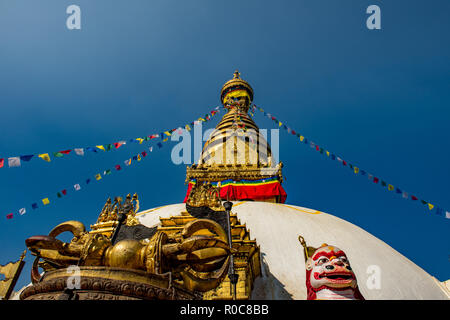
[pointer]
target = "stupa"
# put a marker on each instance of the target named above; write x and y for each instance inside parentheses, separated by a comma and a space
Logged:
(233, 237)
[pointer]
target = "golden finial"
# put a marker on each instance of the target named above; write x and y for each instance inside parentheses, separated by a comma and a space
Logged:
(237, 75)
(307, 251)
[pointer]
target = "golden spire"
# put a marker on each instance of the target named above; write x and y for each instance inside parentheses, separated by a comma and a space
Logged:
(236, 149)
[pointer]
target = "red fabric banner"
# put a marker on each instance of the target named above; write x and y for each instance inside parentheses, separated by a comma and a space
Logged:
(258, 192)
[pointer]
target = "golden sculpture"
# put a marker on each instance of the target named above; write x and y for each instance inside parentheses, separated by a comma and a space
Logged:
(205, 195)
(11, 271)
(199, 262)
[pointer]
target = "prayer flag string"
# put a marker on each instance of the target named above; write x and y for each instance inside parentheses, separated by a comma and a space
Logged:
(99, 176)
(356, 170)
(17, 161)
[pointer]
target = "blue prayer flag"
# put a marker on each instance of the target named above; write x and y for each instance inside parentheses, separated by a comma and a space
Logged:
(34, 206)
(27, 157)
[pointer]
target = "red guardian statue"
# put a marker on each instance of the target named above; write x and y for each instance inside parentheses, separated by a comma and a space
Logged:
(328, 274)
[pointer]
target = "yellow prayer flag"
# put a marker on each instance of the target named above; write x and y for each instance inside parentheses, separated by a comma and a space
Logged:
(98, 176)
(165, 139)
(139, 157)
(45, 157)
(140, 140)
(328, 153)
(390, 187)
(430, 206)
(188, 128)
(101, 148)
(280, 124)
(302, 138)
(45, 201)
(356, 169)
(168, 133)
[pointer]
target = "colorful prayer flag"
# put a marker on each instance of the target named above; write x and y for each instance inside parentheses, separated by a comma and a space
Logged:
(91, 149)
(144, 154)
(57, 154)
(390, 187)
(168, 133)
(79, 151)
(87, 181)
(118, 167)
(9, 216)
(22, 211)
(98, 176)
(127, 162)
(27, 157)
(140, 140)
(76, 187)
(65, 151)
(375, 179)
(414, 197)
(45, 157)
(2, 162)
(45, 201)
(59, 195)
(34, 206)
(64, 192)
(101, 147)
(356, 170)
(447, 214)
(107, 171)
(14, 162)
(430, 206)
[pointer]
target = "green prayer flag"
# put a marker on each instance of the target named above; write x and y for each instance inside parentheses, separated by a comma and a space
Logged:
(108, 147)
(59, 195)
(57, 154)
(383, 183)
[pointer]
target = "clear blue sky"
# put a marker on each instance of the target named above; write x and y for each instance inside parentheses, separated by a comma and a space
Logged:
(378, 98)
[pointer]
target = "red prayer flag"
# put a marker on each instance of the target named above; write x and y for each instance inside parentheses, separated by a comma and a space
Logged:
(117, 144)
(375, 179)
(144, 154)
(2, 162)
(345, 163)
(414, 198)
(9, 216)
(317, 148)
(65, 151)
(118, 167)
(64, 192)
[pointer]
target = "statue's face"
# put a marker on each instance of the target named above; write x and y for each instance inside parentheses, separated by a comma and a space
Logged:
(330, 267)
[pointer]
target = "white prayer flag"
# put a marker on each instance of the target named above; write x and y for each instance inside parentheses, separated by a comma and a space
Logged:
(77, 187)
(14, 162)
(405, 195)
(79, 151)
(447, 214)
(22, 211)
(151, 149)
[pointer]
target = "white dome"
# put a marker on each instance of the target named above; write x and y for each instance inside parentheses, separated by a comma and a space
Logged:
(276, 228)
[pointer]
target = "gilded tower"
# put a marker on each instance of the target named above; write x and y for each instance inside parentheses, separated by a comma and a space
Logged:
(237, 158)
